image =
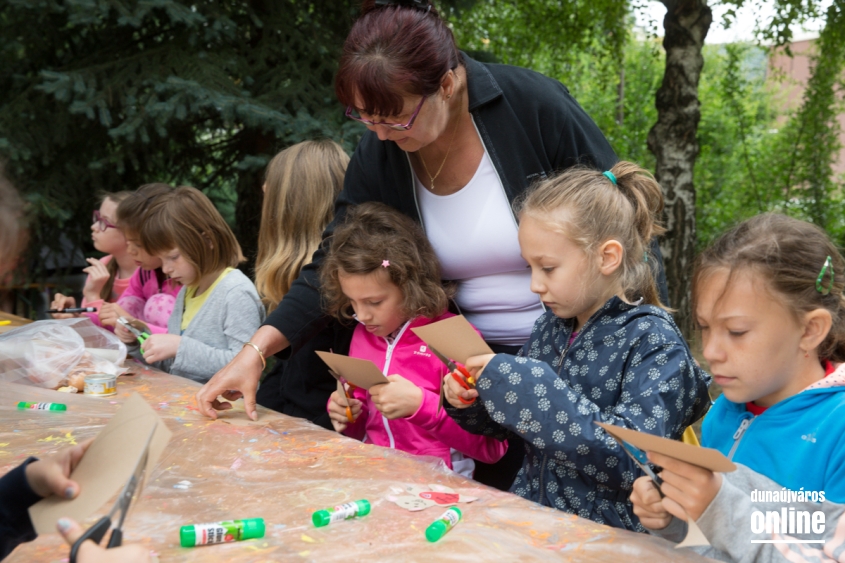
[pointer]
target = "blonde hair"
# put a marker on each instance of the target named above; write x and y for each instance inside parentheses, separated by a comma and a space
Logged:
(599, 210)
(376, 238)
(302, 183)
(186, 219)
(113, 267)
(788, 254)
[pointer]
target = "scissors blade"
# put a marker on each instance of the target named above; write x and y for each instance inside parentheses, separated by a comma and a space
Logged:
(135, 480)
(129, 327)
(449, 363)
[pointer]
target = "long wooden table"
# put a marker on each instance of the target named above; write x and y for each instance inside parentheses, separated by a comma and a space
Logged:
(282, 469)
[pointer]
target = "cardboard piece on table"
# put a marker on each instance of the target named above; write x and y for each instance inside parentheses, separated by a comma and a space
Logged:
(236, 416)
(707, 458)
(694, 537)
(107, 464)
(420, 497)
(454, 338)
(360, 373)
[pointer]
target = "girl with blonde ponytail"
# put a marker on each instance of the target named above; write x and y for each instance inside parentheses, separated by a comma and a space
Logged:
(605, 350)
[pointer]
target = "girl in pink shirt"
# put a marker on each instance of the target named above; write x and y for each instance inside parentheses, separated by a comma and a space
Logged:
(109, 276)
(381, 267)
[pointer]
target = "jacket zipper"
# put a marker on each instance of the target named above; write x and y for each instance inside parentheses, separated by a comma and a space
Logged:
(385, 371)
(740, 432)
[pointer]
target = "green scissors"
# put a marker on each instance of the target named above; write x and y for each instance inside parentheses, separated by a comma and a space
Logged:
(141, 336)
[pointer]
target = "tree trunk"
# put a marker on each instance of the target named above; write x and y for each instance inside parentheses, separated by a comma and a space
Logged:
(675, 145)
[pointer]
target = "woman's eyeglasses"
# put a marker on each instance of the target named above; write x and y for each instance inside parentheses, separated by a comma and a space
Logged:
(352, 113)
(102, 222)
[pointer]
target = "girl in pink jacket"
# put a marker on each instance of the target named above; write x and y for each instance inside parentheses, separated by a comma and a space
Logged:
(150, 296)
(381, 270)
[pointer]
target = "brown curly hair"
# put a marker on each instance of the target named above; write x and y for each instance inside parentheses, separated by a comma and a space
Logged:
(374, 232)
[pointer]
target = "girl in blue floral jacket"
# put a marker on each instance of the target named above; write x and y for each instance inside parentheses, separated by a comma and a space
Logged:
(605, 350)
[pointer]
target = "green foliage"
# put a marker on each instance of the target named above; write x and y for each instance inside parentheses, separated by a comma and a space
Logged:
(110, 94)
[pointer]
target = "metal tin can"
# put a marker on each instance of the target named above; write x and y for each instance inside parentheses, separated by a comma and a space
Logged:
(100, 384)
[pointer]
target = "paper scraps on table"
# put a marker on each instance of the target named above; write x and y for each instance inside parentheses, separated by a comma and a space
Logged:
(420, 497)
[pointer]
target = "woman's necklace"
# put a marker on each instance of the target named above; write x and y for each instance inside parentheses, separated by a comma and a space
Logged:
(448, 150)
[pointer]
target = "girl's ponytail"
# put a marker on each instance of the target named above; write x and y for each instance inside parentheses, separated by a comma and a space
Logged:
(646, 197)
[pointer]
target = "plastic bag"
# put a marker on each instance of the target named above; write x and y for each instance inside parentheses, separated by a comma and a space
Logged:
(48, 353)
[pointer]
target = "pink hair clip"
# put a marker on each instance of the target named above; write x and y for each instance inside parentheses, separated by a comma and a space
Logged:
(385, 263)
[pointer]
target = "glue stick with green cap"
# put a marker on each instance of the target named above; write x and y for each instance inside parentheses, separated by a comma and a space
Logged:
(341, 512)
(221, 532)
(439, 527)
(42, 406)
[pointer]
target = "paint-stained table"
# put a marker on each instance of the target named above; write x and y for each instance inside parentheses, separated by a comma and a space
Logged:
(283, 469)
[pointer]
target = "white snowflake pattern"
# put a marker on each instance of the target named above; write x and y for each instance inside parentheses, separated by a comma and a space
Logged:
(653, 374)
(510, 397)
(582, 449)
(561, 417)
(537, 371)
(544, 404)
(514, 379)
(601, 477)
(521, 360)
(590, 469)
(551, 486)
(559, 384)
(525, 414)
(650, 423)
(498, 416)
(575, 429)
(558, 436)
(611, 461)
(505, 368)
(535, 426)
(538, 442)
(540, 390)
(485, 383)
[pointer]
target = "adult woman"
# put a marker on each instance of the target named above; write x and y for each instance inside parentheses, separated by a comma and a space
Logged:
(451, 143)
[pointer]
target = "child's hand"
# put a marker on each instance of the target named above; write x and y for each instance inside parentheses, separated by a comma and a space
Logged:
(124, 335)
(160, 347)
(51, 475)
(90, 552)
(476, 364)
(648, 505)
(98, 275)
(687, 487)
(452, 390)
(337, 411)
(398, 399)
(63, 302)
(110, 312)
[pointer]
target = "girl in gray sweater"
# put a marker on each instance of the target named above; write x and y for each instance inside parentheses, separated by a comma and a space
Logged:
(217, 309)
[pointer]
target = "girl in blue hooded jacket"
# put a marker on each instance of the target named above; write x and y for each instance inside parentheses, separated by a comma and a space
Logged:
(769, 304)
(605, 350)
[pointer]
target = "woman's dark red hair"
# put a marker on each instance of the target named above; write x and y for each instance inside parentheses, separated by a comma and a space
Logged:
(393, 51)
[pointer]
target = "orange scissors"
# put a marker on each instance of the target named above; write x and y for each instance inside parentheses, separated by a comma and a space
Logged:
(467, 381)
(347, 388)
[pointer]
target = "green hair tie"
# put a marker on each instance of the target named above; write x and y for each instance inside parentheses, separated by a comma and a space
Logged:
(610, 176)
(828, 263)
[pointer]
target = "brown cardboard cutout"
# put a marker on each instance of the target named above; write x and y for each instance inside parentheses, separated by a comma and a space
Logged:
(707, 458)
(454, 338)
(360, 373)
(107, 464)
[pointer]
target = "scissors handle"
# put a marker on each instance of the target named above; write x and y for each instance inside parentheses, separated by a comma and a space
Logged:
(463, 383)
(94, 533)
